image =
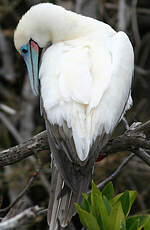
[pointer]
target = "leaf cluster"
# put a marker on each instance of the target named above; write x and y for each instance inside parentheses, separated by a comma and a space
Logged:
(103, 211)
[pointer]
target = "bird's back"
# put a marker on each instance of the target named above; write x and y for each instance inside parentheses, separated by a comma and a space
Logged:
(86, 83)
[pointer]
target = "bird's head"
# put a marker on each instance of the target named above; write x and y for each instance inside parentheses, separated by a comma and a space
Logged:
(34, 33)
(45, 24)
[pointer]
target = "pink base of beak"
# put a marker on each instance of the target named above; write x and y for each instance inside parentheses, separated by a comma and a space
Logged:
(34, 46)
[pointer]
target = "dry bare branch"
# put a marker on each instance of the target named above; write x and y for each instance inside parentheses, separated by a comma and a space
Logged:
(87, 8)
(10, 127)
(26, 188)
(21, 219)
(130, 140)
(7, 109)
(112, 6)
(26, 149)
(124, 15)
(135, 27)
(7, 68)
(116, 172)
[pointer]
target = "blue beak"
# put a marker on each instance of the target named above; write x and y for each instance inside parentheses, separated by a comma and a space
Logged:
(30, 52)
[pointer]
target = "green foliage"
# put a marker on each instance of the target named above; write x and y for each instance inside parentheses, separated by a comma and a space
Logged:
(101, 211)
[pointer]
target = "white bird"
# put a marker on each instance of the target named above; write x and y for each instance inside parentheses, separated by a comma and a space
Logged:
(82, 70)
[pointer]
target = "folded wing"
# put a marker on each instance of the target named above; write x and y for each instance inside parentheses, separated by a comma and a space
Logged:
(85, 89)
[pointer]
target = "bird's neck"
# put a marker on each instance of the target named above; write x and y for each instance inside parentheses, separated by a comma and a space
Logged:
(59, 24)
(72, 26)
(53, 23)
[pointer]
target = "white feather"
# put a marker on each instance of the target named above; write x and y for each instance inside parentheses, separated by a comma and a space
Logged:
(87, 82)
(85, 75)
(85, 79)
(46, 23)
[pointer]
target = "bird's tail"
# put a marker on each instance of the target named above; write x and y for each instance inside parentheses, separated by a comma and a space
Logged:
(61, 206)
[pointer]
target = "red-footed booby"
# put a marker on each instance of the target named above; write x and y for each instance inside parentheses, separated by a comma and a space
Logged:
(82, 69)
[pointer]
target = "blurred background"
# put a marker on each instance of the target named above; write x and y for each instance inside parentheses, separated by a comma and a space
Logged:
(20, 114)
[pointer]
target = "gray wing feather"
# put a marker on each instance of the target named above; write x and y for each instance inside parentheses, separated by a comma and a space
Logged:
(70, 176)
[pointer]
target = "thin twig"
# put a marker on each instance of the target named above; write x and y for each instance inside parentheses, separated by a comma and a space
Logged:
(135, 27)
(78, 7)
(124, 15)
(7, 70)
(112, 6)
(10, 127)
(26, 188)
(116, 172)
(143, 127)
(7, 109)
(141, 153)
(87, 8)
(28, 185)
(141, 71)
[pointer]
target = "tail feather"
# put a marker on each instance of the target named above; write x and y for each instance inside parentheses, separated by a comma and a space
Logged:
(66, 210)
(70, 175)
(54, 204)
(61, 206)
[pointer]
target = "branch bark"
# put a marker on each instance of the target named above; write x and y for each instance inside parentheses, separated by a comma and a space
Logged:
(23, 218)
(130, 140)
(24, 150)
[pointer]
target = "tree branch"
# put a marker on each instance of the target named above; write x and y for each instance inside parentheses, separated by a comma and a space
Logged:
(143, 155)
(24, 150)
(26, 188)
(116, 172)
(130, 140)
(23, 218)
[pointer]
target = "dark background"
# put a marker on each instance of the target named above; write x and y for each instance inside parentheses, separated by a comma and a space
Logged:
(21, 118)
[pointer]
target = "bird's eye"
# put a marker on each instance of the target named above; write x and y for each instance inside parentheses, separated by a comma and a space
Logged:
(24, 51)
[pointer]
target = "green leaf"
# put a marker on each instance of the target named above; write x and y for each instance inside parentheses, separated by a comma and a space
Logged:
(115, 199)
(132, 195)
(125, 201)
(85, 196)
(89, 199)
(99, 211)
(87, 219)
(107, 204)
(85, 203)
(134, 225)
(142, 219)
(123, 225)
(98, 207)
(123, 197)
(147, 224)
(108, 191)
(116, 218)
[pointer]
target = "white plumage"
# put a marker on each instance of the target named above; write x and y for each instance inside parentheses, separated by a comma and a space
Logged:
(85, 85)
